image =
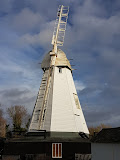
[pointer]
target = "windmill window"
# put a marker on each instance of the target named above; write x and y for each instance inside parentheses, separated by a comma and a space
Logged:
(56, 150)
(60, 70)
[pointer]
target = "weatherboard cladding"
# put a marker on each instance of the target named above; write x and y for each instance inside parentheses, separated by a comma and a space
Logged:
(38, 146)
(47, 121)
(65, 115)
(105, 151)
(62, 113)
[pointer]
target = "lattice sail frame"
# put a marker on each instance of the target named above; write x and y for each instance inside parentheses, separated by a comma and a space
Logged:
(60, 27)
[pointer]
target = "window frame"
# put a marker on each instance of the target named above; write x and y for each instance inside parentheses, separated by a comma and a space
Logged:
(55, 152)
(60, 69)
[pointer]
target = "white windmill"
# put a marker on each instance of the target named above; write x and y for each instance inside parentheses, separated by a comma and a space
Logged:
(57, 108)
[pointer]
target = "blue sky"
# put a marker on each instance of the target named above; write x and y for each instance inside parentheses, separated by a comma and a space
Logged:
(92, 40)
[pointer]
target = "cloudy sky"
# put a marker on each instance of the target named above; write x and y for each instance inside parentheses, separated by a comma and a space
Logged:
(92, 40)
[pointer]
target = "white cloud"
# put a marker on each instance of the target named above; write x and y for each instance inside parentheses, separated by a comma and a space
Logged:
(27, 21)
(41, 39)
(79, 85)
(91, 26)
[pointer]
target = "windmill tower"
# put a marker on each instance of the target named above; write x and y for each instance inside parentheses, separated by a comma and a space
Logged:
(57, 108)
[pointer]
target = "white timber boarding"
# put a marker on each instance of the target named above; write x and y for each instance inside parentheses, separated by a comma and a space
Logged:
(67, 115)
(103, 151)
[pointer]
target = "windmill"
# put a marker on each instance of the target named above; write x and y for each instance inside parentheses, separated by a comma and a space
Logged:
(57, 128)
(57, 108)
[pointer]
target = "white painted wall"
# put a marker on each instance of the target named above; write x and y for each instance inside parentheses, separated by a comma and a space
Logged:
(62, 114)
(65, 115)
(103, 151)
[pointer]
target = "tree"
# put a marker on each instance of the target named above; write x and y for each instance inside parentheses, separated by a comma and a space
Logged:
(97, 129)
(27, 122)
(17, 115)
(2, 124)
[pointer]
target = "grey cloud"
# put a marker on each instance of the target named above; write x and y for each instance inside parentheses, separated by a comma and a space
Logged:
(13, 92)
(102, 107)
(45, 8)
(17, 96)
(6, 5)
(27, 101)
(43, 37)
(27, 21)
(108, 117)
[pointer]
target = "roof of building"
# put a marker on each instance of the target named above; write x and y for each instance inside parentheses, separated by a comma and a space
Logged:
(107, 135)
(43, 136)
(48, 139)
(61, 60)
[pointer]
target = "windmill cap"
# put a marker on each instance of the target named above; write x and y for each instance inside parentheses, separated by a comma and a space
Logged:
(61, 60)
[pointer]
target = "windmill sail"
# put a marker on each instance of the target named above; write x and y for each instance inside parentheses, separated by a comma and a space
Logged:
(60, 27)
